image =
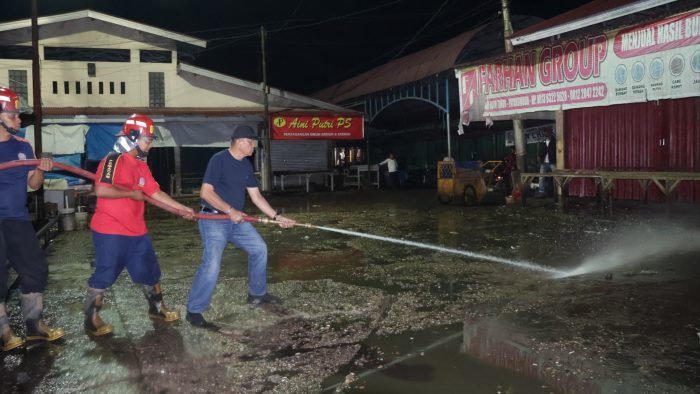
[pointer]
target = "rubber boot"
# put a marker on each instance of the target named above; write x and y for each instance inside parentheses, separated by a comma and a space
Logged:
(8, 339)
(156, 307)
(93, 322)
(37, 329)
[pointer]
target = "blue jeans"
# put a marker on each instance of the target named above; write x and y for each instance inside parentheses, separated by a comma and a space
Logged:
(216, 234)
(546, 183)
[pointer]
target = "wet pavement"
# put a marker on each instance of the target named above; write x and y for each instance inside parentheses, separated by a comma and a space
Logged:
(361, 315)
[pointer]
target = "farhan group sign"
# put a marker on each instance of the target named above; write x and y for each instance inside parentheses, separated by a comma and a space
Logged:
(313, 127)
(653, 61)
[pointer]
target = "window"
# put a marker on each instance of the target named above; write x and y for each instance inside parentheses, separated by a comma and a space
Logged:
(89, 87)
(23, 52)
(87, 54)
(18, 83)
(77, 87)
(123, 87)
(111, 87)
(153, 56)
(55, 87)
(66, 87)
(101, 87)
(156, 90)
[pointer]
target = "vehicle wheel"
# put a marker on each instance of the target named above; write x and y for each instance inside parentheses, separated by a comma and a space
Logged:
(470, 196)
(445, 198)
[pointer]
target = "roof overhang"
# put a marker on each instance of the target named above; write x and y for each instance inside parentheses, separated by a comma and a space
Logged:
(72, 16)
(277, 97)
(119, 119)
(589, 20)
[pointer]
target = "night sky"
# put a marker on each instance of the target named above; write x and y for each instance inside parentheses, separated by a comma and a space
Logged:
(311, 44)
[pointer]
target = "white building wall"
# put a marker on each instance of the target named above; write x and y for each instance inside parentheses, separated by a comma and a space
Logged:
(178, 91)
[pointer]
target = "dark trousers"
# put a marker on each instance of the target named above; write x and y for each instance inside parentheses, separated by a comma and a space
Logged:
(394, 182)
(20, 250)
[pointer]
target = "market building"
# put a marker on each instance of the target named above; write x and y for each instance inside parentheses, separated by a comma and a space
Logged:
(623, 78)
(97, 69)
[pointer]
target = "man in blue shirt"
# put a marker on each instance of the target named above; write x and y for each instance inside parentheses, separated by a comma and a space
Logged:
(18, 244)
(229, 175)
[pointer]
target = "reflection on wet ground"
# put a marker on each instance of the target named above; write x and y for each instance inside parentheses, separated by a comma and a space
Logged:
(360, 315)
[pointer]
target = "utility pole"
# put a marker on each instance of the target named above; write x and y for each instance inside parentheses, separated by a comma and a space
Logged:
(267, 147)
(518, 130)
(36, 81)
(447, 120)
(36, 103)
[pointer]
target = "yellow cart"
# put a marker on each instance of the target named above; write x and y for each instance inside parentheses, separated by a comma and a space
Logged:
(472, 182)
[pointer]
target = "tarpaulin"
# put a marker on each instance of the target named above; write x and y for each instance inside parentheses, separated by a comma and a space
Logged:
(60, 139)
(100, 139)
(211, 134)
(71, 160)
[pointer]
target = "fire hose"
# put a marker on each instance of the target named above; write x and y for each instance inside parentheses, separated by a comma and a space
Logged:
(89, 175)
(480, 256)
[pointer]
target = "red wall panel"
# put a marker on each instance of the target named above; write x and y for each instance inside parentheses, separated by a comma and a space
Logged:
(653, 136)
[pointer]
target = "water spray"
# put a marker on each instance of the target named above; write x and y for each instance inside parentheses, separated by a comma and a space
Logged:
(478, 256)
(254, 219)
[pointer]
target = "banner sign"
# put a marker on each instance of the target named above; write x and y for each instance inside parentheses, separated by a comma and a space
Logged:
(310, 127)
(533, 135)
(658, 60)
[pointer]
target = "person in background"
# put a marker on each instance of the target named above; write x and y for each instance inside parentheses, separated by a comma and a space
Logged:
(18, 243)
(504, 170)
(393, 168)
(547, 155)
(118, 228)
(229, 175)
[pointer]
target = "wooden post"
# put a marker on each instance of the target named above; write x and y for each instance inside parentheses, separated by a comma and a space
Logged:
(561, 157)
(177, 187)
(267, 146)
(518, 129)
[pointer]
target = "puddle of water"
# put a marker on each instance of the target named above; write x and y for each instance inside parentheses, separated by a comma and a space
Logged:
(341, 288)
(313, 265)
(426, 361)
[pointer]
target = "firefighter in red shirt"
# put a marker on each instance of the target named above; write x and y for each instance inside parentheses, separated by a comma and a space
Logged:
(118, 228)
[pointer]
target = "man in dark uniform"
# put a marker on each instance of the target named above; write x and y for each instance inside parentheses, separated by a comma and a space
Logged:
(18, 243)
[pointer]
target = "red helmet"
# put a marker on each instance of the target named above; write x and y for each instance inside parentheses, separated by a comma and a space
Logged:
(138, 126)
(9, 101)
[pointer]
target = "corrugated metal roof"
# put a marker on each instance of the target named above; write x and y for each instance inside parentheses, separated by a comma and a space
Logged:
(595, 12)
(407, 69)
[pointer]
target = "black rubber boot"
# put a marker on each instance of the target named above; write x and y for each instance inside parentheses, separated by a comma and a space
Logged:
(156, 307)
(93, 322)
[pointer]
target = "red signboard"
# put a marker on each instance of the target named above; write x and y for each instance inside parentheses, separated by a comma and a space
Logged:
(316, 127)
(670, 33)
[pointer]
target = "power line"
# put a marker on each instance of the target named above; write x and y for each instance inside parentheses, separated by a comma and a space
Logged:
(420, 30)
